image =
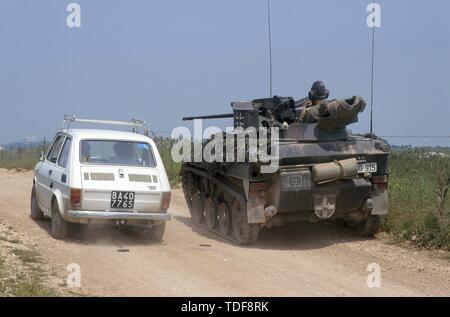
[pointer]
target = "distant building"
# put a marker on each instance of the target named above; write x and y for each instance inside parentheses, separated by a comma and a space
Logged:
(1, 147)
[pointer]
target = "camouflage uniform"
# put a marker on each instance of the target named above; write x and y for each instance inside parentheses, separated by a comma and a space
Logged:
(309, 106)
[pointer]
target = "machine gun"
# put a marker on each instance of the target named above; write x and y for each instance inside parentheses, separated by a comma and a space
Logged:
(276, 112)
(216, 116)
(266, 113)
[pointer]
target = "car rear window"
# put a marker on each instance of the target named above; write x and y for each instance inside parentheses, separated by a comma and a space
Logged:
(110, 152)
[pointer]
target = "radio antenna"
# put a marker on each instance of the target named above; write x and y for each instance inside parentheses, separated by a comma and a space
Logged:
(371, 80)
(270, 48)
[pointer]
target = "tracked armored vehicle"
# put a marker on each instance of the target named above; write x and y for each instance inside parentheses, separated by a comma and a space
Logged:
(321, 172)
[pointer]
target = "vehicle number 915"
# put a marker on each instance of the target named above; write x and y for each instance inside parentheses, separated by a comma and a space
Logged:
(367, 168)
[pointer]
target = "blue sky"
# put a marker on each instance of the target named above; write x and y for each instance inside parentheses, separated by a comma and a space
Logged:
(162, 60)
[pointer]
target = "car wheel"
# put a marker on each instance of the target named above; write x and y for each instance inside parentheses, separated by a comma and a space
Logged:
(35, 212)
(156, 233)
(59, 226)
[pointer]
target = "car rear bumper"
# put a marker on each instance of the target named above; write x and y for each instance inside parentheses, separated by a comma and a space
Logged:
(117, 215)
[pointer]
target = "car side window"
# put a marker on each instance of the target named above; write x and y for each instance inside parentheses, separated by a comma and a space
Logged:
(50, 146)
(54, 152)
(64, 157)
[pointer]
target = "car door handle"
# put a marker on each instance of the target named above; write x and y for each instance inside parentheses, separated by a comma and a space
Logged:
(50, 172)
(51, 185)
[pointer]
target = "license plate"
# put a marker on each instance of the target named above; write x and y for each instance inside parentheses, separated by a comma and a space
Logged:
(122, 200)
(367, 168)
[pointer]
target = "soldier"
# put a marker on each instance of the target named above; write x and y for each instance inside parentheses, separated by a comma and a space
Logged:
(316, 95)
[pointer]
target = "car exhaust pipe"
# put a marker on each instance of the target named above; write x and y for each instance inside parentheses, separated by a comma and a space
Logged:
(367, 206)
(270, 211)
(364, 211)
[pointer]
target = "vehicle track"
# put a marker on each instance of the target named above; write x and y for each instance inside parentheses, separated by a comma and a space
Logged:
(296, 260)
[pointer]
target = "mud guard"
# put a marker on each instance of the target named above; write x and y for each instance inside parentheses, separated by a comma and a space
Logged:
(60, 201)
(255, 210)
(380, 203)
(255, 206)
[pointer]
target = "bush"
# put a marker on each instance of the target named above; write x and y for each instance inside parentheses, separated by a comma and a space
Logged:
(164, 146)
(419, 206)
(24, 158)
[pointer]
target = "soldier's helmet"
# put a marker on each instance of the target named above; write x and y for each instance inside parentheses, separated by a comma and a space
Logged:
(318, 91)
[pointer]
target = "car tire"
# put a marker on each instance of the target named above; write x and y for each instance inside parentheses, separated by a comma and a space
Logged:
(59, 226)
(156, 233)
(35, 212)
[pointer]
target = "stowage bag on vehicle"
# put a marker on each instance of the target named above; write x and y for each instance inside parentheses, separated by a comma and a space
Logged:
(335, 114)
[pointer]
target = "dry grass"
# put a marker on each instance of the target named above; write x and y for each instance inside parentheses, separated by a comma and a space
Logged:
(22, 270)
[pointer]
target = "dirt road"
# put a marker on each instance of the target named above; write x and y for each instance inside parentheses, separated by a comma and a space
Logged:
(298, 260)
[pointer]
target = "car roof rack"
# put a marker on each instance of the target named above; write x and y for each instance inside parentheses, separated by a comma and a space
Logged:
(134, 123)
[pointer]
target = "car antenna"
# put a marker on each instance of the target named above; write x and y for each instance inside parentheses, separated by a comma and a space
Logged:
(372, 75)
(270, 48)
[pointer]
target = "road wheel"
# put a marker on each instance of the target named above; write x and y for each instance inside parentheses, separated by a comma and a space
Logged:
(197, 208)
(368, 227)
(35, 212)
(224, 218)
(156, 233)
(211, 206)
(188, 185)
(244, 232)
(59, 226)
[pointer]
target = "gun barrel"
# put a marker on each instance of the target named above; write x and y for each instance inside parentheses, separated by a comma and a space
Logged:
(217, 116)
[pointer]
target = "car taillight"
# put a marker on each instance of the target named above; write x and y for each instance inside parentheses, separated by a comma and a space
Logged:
(75, 197)
(380, 181)
(257, 189)
(254, 187)
(166, 200)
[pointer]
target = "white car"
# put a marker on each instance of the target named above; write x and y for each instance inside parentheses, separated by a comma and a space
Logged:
(99, 177)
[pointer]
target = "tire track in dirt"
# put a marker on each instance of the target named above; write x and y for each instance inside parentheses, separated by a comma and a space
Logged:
(296, 260)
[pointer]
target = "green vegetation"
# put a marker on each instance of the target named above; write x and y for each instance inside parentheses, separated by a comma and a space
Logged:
(22, 269)
(21, 158)
(6, 239)
(165, 148)
(22, 284)
(25, 277)
(32, 286)
(27, 256)
(418, 194)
